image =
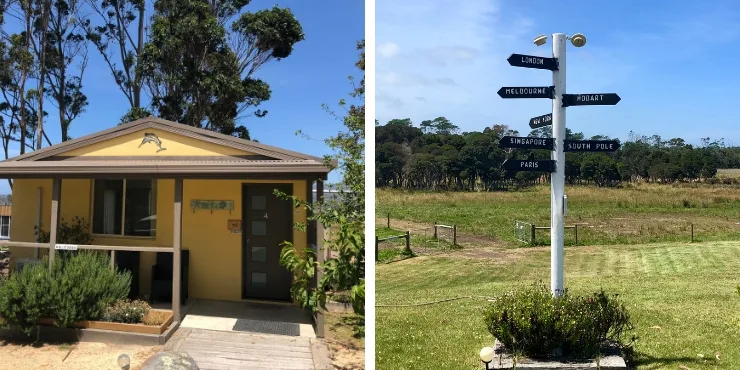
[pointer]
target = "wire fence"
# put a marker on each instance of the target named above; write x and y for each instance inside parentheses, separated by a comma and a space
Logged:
(418, 240)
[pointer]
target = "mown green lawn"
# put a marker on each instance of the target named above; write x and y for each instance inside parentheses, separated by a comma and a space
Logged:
(681, 296)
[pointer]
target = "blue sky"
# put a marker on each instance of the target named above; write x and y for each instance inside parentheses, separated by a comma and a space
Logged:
(315, 74)
(674, 63)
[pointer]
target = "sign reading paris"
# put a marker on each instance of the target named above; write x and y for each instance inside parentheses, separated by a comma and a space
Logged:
(590, 99)
(541, 121)
(545, 92)
(526, 142)
(529, 165)
(531, 61)
(591, 146)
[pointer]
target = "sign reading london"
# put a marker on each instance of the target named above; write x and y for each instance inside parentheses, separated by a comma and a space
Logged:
(590, 99)
(591, 146)
(526, 142)
(545, 92)
(531, 61)
(541, 121)
(527, 165)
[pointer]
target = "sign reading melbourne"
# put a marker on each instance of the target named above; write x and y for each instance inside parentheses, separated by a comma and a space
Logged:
(543, 92)
(526, 142)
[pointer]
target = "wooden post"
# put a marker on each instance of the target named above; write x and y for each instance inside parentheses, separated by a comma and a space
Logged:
(113, 260)
(377, 241)
(454, 235)
(56, 193)
(435, 229)
(389, 220)
(408, 241)
(176, 251)
(576, 234)
(692, 233)
(321, 256)
(532, 231)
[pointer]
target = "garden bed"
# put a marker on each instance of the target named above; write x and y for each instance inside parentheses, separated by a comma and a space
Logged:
(610, 360)
(117, 326)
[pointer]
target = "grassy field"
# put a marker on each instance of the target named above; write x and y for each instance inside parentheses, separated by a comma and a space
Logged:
(681, 296)
(634, 214)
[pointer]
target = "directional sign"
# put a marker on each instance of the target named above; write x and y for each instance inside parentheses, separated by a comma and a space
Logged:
(590, 99)
(591, 145)
(520, 165)
(531, 61)
(541, 121)
(526, 92)
(525, 142)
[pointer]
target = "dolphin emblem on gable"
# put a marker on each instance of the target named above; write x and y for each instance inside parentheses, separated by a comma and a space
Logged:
(152, 138)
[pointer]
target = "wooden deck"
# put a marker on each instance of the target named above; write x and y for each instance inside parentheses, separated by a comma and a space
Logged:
(221, 350)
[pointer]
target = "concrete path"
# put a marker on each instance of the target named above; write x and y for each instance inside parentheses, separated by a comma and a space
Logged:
(223, 315)
(228, 350)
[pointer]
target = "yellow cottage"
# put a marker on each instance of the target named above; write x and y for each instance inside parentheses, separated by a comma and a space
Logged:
(190, 212)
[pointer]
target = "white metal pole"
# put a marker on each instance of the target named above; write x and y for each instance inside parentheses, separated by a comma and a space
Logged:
(558, 177)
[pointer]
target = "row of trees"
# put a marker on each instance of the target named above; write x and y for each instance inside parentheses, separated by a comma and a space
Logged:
(196, 60)
(435, 156)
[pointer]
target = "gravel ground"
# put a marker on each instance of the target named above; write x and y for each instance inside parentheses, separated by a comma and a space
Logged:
(78, 356)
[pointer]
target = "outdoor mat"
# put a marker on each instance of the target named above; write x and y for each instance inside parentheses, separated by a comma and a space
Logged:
(268, 327)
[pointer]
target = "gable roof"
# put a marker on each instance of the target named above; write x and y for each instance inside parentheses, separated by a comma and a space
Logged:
(50, 161)
(169, 126)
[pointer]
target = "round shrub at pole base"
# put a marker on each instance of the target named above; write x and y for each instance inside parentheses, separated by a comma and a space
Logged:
(531, 322)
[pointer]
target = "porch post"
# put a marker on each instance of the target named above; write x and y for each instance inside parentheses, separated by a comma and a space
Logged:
(56, 192)
(176, 248)
(321, 257)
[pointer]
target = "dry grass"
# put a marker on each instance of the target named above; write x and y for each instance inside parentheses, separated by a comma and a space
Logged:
(347, 349)
(729, 173)
(154, 318)
(642, 213)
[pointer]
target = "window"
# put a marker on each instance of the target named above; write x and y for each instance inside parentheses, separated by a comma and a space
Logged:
(125, 207)
(4, 227)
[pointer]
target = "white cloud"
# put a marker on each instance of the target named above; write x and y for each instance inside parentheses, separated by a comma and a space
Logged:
(387, 49)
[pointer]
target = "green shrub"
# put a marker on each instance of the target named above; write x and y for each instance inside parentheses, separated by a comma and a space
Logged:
(127, 311)
(533, 323)
(25, 298)
(83, 286)
(76, 232)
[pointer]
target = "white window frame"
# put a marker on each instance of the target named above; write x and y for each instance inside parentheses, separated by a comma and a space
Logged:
(123, 212)
(5, 237)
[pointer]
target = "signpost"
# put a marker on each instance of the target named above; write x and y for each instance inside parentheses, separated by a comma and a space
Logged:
(531, 61)
(533, 92)
(591, 145)
(590, 99)
(527, 165)
(525, 142)
(540, 121)
(560, 100)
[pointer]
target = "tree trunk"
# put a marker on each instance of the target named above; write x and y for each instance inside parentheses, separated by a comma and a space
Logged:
(139, 50)
(24, 74)
(42, 74)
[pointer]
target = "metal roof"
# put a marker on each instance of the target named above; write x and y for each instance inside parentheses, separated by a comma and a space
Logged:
(51, 162)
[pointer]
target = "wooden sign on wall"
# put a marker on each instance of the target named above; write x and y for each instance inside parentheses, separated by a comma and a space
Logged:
(235, 226)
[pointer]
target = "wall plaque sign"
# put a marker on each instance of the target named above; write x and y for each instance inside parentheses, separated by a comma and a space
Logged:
(219, 205)
(235, 226)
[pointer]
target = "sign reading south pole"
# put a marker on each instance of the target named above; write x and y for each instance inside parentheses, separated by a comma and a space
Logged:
(526, 142)
(590, 99)
(529, 165)
(531, 61)
(540, 121)
(591, 145)
(542, 92)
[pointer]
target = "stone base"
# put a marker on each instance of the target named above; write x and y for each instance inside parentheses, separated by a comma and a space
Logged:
(504, 360)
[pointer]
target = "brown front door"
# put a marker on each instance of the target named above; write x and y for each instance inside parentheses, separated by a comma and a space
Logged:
(268, 222)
